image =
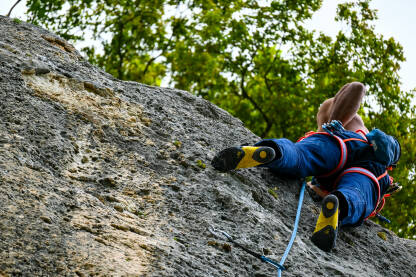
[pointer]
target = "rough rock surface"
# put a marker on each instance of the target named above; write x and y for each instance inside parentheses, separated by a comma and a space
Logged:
(104, 177)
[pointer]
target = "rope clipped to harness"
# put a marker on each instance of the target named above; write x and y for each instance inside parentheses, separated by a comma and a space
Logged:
(279, 266)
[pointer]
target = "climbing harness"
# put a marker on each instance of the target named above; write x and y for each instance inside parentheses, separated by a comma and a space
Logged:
(370, 175)
(336, 125)
(342, 145)
(279, 266)
(380, 199)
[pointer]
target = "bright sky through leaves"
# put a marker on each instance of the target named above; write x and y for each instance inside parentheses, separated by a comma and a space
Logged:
(395, 19)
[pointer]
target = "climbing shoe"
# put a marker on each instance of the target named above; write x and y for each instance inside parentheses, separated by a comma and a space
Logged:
(242, 157)
(326, 229)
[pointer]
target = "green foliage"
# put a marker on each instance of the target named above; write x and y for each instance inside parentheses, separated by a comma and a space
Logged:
(17, 20)
(255, 59)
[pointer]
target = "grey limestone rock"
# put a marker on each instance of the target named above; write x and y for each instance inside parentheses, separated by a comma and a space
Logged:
(111, 178)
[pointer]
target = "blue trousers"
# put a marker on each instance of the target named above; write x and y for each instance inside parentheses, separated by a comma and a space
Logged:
(361, 197)
(317, 155)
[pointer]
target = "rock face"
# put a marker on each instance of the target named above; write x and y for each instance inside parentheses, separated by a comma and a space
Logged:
(104, 177)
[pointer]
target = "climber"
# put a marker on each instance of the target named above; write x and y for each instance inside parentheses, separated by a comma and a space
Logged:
(350, 165)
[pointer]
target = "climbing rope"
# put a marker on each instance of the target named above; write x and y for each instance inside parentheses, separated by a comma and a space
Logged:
(279, 266)
(295, 228)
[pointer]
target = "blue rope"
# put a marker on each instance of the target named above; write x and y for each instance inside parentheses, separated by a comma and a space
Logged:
(279, 266)
(295, 229)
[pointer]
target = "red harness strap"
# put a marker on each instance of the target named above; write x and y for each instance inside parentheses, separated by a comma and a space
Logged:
(349, 139)
(380, 201)
(361, 131)
(343, 147)
(357, 139)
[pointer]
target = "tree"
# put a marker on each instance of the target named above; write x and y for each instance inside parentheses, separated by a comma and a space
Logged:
(255, 59)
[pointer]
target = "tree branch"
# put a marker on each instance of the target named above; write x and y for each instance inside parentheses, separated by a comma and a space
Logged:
(256, 106)
(149, 62)
(10, 12)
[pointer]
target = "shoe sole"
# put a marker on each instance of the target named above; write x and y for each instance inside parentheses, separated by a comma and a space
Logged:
(326, 229)
(242, 157)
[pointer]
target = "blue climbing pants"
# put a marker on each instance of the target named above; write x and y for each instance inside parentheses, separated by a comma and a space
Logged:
(317, 155)
(361, 196)
(314, 156)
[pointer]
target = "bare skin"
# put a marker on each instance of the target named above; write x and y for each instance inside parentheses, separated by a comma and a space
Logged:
(344, 107)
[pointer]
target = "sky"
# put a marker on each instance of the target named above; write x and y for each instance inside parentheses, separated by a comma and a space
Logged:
(395, 19)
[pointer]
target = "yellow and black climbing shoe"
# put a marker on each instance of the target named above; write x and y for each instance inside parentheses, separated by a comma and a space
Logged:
(326, 229)
(242, 157)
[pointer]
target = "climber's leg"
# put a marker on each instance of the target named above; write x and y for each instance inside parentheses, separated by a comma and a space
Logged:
(353, 200)
(359, 195)
(313, 156)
